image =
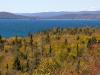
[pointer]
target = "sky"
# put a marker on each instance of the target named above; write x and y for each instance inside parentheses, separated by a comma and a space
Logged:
(33, 6)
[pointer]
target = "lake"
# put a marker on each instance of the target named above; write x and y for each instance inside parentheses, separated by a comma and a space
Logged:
(21, 27)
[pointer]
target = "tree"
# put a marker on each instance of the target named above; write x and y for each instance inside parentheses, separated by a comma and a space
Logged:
(27, 65)
(78, 60)
(78, 56)
(31, 39)
(91, 42)
(1, 43)
(50, 51)
(17, 65)
(0, 37)
(48, 38)
(66, 42)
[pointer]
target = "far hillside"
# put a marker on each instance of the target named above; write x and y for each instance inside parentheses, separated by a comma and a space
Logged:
(65, 15)
(7, 15)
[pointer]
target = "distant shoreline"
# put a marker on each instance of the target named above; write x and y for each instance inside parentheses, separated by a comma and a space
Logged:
(43, 19)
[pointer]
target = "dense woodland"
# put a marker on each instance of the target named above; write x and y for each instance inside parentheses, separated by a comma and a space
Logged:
(59, 51)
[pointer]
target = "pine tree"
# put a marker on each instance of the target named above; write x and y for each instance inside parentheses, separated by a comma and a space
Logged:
(50, 51)
(91, 42)
(17, 65)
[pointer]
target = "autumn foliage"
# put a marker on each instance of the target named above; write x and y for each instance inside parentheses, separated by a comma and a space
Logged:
(59, 51)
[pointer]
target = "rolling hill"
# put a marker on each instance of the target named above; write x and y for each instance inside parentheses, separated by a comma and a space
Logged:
(52, 15)
(7, 15)
(65, 15)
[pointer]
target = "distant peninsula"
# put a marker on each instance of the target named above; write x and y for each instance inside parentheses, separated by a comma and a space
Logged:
(7, 15)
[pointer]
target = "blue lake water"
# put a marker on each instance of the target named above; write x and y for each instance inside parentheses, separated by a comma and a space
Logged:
(21, 27)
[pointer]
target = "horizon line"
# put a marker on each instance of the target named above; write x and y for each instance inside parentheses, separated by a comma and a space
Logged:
(52, 11)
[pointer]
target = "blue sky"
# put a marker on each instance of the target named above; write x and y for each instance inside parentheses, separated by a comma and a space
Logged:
(32, 6)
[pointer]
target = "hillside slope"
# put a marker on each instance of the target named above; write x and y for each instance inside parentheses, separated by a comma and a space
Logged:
(6, 15)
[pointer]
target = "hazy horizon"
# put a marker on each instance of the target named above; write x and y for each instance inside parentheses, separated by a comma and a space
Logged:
(36, 6)
(51, 11)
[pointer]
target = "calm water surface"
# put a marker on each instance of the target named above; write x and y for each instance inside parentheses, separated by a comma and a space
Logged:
(21, 27)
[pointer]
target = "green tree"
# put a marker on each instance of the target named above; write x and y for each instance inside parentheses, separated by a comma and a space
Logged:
(17, 65)
(91, 42)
